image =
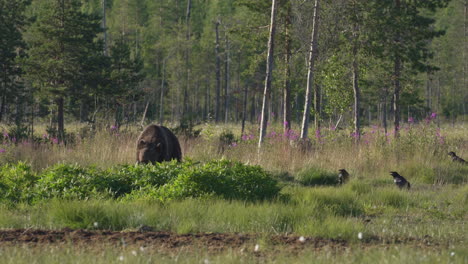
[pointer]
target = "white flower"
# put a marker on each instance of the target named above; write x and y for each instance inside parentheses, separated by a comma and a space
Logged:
(256, 248)
(302, 239)
(142, 249)
(121, 258)
(359, 235)
(452, 254)
(96, 224)
(206, 261)
(134, 253)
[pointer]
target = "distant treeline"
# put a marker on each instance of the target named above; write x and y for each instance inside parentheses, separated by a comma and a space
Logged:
(205, 60)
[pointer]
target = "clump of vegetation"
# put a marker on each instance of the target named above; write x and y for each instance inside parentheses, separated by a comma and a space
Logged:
(315, 176)
(161, 181)
(227, 179)
(16, 182)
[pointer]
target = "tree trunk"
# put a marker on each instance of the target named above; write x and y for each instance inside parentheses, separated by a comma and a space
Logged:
(186, 107)
(226, 82)
(60, 120)
(244, 109)
(396, 83)
(3, 101)
(287, 72)
(317, 107)
(161, 99)
(218, 74)
(104, 26)
(357, 93)
(310, 73)
(269, 68)
(465, 61)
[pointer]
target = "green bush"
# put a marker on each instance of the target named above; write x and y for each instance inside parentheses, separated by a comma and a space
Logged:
(162, 181)
(315, 176)
(16, 182)
(227, 179)
(73, 182)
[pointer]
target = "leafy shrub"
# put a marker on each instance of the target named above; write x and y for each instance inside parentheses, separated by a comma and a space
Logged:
(74, 182)
(163, 181)
(142, 175)
(316, 176)
(16, 182)
(230, 180)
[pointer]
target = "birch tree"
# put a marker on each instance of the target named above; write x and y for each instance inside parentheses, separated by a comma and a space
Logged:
(310, 72)
(269, 66)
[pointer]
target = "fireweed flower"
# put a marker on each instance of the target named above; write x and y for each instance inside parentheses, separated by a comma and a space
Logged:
(411, 120)
(2, 150)
(54, 140)
(245, 137)
(5, 135)
(234, 144)
(433, 115)
(317, 134)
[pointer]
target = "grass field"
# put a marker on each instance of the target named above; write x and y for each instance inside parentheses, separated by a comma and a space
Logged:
(375, 221)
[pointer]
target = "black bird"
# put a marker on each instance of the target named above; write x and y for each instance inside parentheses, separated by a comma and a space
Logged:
(343, 176)
(456, 158)
(399, 180)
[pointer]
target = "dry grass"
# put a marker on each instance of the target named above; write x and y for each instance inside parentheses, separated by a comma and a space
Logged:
(377, 154)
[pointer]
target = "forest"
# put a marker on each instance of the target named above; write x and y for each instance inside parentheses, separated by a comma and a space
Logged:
(277, 131)
(193, 61)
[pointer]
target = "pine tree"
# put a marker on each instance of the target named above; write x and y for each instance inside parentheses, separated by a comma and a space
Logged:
(60, 42)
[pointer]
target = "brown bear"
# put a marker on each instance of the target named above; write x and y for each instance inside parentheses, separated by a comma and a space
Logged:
(157, 144)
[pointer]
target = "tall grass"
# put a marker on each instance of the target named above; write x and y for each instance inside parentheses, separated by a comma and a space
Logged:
(330, 212)
(420, 154)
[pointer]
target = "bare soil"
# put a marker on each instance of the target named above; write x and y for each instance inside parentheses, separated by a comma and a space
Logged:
(173, 241)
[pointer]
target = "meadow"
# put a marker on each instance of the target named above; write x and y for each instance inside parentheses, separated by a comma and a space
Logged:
(369, 218)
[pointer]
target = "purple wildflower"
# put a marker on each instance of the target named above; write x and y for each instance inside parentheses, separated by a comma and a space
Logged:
(2, 150)
(285, 123)
(234, 144)
(333, 128)
(114, 127)
(317, 134)
(433, 115)
(45, 136)
(13, 140)
(5, 134)
(245, 137)
(411, 120)
(54, 140)
(354, 135)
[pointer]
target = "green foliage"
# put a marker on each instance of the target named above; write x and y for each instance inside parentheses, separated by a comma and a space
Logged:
(73, 182)
(16, 182)
(227, 179)
(162, 181)
(316, 176)
(226, 137)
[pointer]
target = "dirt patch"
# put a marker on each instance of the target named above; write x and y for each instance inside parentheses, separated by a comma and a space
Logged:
(173, 241)
(160, 239)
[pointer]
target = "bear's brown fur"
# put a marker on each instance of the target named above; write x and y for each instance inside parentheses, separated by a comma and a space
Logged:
(157, 144)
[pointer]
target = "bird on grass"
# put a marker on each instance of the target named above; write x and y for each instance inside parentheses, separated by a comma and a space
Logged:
(399, 180)
(343, 176)
(456, 158)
